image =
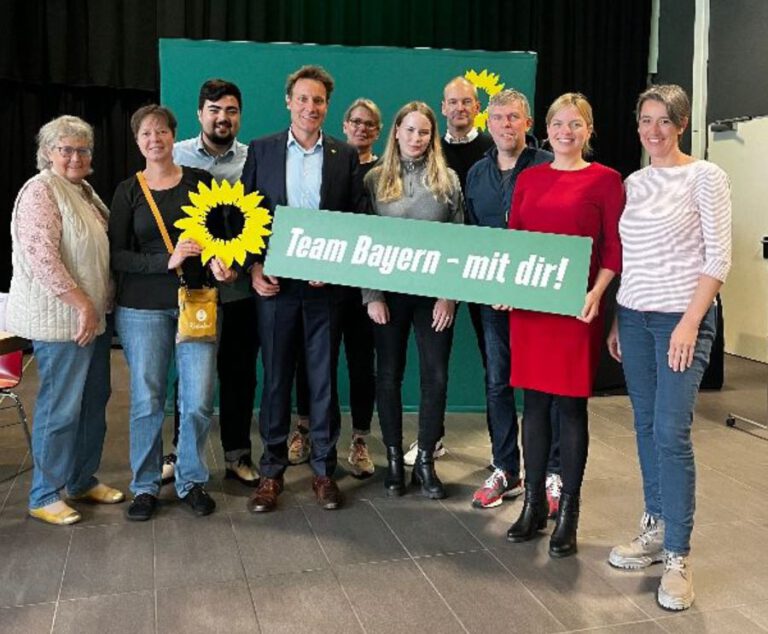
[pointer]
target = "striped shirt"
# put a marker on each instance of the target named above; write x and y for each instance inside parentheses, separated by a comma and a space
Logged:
(675, 227)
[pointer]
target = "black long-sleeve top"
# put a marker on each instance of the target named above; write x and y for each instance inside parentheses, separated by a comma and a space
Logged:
(138, 254)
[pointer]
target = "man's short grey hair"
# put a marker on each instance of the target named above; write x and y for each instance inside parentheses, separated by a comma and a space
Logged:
(506, 97)
(53, 131)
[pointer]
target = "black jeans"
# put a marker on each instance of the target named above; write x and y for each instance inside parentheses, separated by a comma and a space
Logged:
(357, 333)
(238, 349)
(537, 438)
(434, 352)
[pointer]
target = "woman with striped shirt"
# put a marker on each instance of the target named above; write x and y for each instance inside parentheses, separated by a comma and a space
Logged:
(676, 238)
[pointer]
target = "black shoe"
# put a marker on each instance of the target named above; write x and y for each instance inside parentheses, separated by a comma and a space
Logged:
(142, 508)
(563, 540)
(199, 501)
(533, 517)
(394, 481)
(424, 475)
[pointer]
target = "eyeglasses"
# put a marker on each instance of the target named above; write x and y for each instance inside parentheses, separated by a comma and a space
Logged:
(369, 125)
(67, 151)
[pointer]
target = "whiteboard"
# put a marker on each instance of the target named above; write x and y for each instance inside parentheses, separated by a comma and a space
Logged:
(743, 154)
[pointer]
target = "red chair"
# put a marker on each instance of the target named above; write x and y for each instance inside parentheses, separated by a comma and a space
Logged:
(11, 368)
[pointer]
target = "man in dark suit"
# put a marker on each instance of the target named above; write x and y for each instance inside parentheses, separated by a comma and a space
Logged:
(300, 167)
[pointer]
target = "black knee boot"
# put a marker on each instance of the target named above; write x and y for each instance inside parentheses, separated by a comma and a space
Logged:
(533, 517)
(394, 481)
(424, 475)
(563, 541)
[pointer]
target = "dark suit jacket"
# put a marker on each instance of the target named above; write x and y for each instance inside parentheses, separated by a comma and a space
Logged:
(341, 185)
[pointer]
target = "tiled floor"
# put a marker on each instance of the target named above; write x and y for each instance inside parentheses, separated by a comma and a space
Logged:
(390, 565)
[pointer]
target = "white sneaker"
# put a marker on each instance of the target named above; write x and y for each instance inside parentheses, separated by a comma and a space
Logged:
(410, 456)
(169, 468)
(645, 549)
(676, 586)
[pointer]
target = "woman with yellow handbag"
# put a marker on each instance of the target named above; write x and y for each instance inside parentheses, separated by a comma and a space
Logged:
(165, 307)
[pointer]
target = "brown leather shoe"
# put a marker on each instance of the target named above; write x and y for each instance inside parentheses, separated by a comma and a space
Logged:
(327, 492)
(264, 498)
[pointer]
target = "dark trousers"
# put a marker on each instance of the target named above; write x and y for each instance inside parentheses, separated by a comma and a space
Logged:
(501, 411)
(434, 353)
(500, 395)
(537, 438)
(357, 334)
(299, 316)
(238, 349)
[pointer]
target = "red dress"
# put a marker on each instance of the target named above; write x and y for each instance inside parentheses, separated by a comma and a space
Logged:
(551, 353)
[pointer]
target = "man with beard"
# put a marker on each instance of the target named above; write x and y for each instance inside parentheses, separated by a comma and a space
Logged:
(217, 150)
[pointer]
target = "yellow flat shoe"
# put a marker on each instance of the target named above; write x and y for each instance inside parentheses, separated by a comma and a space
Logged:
(101, 494)
(57, 513)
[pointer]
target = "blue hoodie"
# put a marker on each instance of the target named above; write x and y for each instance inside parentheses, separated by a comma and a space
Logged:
(487, 198)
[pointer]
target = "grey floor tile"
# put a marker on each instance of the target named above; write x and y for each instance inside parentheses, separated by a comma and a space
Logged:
(277, 542)
(757, 612)
(424, 526)
(576, 594)
(311, 602)
(396, 597)
(224, 608)
(729, 563)
(730, 621)
(109, 560)
(640, 627)
(132, 613)
(29, 619)
(354, 534)
(196, 551)
(485, 596)
(32, 562)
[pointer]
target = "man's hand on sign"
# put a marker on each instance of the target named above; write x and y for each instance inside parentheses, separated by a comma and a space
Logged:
(264, 285)
(378, 312)
(442, 314)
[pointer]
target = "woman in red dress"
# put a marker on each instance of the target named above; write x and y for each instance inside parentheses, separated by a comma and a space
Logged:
(556, 356)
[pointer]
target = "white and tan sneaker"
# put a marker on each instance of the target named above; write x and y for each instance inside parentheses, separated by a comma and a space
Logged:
(644, 550)
(676, 586)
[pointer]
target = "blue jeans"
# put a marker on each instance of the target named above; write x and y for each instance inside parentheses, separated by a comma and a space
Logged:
(499, 394)
(149, 343)
(663, 403)
(70, 417)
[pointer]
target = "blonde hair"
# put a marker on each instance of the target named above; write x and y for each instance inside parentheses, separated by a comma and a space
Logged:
(371, 107)
(436, 176)
(57, 129)
(578, 101)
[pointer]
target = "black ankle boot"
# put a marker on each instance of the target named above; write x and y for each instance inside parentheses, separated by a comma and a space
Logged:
(563, 541)
(533, 517)
(394, 481)
(424, 475)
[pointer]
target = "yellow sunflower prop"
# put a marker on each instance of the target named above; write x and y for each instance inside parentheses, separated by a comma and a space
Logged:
(487, 83)
(225, 222)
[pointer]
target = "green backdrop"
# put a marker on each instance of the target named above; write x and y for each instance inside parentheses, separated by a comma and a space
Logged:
(389, 76)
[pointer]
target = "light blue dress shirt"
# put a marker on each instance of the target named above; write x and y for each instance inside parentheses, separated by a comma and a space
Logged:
(228, 166)
(303, 173)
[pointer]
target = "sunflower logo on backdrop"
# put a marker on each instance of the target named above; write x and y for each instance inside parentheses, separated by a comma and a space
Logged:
(225, 222)
(487, 83)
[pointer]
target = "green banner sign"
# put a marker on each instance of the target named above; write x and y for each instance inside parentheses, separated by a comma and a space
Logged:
(536, 271)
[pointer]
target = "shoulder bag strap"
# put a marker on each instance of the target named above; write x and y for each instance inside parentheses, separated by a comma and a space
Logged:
(158, 218)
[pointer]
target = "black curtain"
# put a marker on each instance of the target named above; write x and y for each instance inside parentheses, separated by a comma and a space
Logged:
(98, 59)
